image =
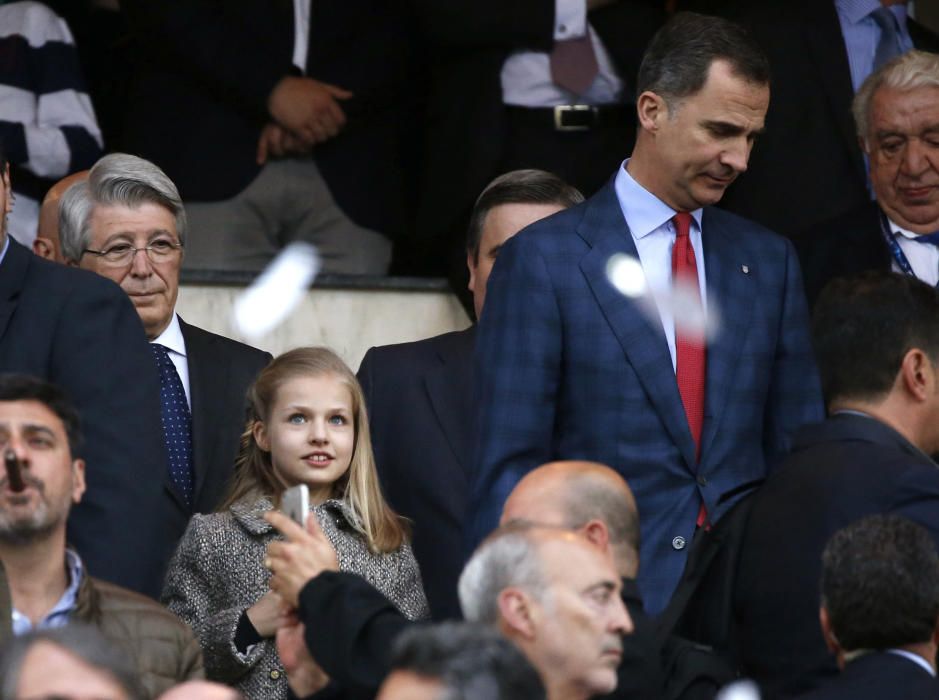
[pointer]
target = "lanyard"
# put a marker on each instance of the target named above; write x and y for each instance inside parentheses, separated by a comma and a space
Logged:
(895, 250)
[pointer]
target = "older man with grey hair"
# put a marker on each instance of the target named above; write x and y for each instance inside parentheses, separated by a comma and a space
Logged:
(557, 599)
(896, 112)
(126, 222)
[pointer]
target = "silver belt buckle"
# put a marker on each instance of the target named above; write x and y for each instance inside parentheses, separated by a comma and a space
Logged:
(561, 110)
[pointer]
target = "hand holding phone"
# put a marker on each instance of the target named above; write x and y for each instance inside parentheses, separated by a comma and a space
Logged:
(295, 504)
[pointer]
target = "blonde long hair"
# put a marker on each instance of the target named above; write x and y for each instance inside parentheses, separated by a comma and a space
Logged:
(382, 528)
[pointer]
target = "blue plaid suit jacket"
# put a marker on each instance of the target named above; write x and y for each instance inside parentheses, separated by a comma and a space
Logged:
(569, 368)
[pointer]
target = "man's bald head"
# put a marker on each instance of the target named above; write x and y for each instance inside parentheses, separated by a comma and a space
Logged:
(47, 244)
(571, 494)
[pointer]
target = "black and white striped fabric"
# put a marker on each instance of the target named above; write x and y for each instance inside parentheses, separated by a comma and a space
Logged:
(47, 123)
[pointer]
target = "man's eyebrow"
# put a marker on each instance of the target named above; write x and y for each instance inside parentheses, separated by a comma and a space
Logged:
(730, 129)
(34, 428)
(494, 251)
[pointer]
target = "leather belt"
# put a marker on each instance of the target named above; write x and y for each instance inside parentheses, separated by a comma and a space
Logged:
(572, 117)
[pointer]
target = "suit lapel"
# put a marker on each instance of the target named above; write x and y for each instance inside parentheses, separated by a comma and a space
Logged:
(449, 387)
(13, 270)
(826, 44)
(639, 334)
(208, 376)
(730, 292)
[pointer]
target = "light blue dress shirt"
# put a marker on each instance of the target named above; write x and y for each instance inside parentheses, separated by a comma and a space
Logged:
(62, 611)
(650, 223)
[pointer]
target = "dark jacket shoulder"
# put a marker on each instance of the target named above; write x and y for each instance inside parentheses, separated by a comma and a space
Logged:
(200, 337)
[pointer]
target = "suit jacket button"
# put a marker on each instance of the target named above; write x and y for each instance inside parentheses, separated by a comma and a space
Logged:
(678, 542)
(275, 674)
(702, 481)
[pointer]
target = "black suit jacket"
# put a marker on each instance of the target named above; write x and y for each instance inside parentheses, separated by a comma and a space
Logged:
(363, 625)
(80, 331)
(418, 397)
(469, 41)
(877, 676)
(846, 245)
(808, 166)
(207, 68)
(221, 371)
(840, 470)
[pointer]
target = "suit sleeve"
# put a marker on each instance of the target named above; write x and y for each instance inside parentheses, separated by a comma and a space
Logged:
(795, 392)
(517, 366)
(101, 359)
(364, 625)
(225, 47)
(470, 24)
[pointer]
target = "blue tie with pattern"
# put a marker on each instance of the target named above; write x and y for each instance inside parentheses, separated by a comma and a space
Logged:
(888, 46)
(177, 423)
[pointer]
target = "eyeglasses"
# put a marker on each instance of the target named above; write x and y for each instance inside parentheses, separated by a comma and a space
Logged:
(121, 254)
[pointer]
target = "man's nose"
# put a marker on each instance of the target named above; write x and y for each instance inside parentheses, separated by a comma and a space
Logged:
(737, 155)
(622, 621)
(915, 160)
(140, 264)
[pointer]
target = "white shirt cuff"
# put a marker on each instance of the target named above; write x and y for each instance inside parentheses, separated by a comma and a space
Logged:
(570, 19)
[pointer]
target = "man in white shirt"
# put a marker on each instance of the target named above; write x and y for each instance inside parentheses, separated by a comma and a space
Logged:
(897, 116)
(126, 222)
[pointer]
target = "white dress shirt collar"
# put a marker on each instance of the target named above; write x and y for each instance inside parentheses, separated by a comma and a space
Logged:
(172, 337)
(915, 658)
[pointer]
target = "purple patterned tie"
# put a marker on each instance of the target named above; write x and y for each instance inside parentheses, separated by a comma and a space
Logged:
(574, 64)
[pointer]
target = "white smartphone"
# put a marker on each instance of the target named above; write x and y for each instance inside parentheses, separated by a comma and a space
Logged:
(295, 504)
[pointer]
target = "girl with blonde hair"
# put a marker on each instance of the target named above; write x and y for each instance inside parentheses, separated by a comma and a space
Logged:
(307, 425)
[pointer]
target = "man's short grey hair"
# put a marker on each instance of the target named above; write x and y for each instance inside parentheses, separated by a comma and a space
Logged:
(118, 179)
(913, 70)
(509, 557)
(84, 642)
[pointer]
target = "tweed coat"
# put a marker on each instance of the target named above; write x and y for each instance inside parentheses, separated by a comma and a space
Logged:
(218, 572)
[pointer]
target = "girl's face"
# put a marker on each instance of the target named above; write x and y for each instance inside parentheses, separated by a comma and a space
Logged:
(310, 433)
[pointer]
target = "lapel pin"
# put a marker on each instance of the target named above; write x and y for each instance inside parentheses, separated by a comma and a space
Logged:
(745, 269)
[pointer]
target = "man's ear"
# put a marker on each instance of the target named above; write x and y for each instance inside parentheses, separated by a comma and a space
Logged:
(5, 179)
(78, 480)
(597, 534)
(516, 612)
(917, 374)
(831, 641)
(652, 110)
(471, 266)
(43, 248)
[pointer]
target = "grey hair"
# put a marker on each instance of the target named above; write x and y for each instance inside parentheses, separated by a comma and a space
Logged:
(118, 179)
(911, 71)
(509, 557)
(84, 642)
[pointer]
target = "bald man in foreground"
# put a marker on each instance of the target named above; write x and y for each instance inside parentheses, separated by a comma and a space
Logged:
(587, 498)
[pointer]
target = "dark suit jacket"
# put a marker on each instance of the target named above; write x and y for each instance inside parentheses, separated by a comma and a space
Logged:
(839, 471)
(569, 368)
(808, 166)
(419, 405)
(207, 68)
(877, 676)
(80, 331)
(364, 624)
(846, 245)
(221, 371)
(467, 126)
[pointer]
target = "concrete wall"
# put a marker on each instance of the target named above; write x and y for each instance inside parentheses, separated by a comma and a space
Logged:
(349, 321)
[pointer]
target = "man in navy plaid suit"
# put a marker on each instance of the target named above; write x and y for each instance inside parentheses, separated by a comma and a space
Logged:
(571, 367)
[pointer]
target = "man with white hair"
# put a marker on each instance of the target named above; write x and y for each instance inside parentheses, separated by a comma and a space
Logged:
(126, 222)
(897, 116)
(557, 599)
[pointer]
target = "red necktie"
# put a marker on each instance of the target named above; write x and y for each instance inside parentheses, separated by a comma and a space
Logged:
(690, 349)
(574, 64)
